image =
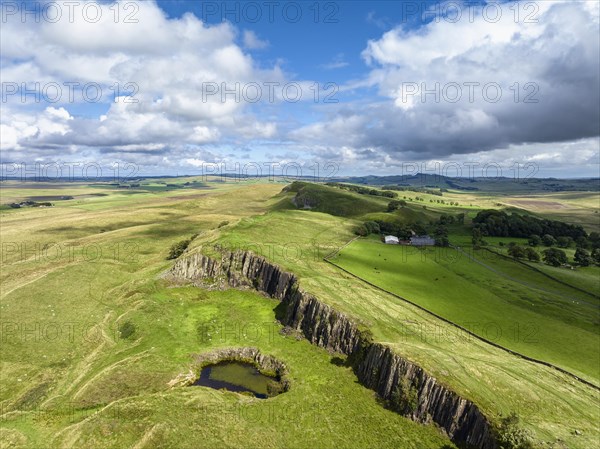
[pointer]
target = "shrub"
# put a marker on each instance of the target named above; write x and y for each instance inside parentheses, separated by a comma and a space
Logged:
(441, 236)
(178, 248)
(564, 242)
(476, 239)
(126, 330)
(394, 205)
(372, 227)
(404, 398)
(516, 251)
(548, 240)
(535, 240)
(446, 219)
(512, 436)
(596, 256)
(361, 231)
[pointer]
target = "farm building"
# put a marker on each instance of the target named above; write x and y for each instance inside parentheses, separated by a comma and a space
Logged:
(391, 240)
(422, 240)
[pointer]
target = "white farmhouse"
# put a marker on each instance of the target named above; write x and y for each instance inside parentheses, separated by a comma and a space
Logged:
(391, 240)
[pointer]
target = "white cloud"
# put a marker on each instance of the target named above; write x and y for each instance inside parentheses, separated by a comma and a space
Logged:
(419, 117)
(170, 62)
(253, 42)
(167, 62)
(337, 62)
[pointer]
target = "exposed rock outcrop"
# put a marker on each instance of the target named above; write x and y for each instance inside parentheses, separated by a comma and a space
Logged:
(376, 365)
(265, 363)
(382, 371)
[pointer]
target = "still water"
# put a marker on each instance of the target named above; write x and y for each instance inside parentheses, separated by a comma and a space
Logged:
(236, 376)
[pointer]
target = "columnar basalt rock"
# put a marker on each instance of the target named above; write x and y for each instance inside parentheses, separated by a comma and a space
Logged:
(376, 365)
(382, 371)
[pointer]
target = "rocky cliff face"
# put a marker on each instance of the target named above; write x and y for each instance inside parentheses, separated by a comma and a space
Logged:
(385, 372)
(376, 365)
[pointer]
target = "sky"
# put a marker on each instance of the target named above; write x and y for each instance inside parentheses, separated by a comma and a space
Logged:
(330, 88)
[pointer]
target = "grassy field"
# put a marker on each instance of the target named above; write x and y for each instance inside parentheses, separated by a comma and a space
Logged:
(497, 381)
(493, 298)
(73, 274)
(124, 398)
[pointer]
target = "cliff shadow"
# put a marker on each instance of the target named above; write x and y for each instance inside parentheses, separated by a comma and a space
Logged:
(280, 312)
(338, 361)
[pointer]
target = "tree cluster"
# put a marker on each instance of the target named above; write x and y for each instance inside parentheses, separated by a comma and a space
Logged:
(177, 249)
(520, 252)
(500, 224)
(413, 189)
(395, 205)
(362, 190)
(447, 219)
(367, 228)
(402, 231)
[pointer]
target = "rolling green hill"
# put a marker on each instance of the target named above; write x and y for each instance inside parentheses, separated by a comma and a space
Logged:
(74, 276)
(330, 200)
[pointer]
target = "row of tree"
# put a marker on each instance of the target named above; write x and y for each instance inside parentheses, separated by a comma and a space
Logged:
(447, 219)
(554, 256)
(592, 241)
(362, 190)
(403, 232)
(437, 192)
(500, 224)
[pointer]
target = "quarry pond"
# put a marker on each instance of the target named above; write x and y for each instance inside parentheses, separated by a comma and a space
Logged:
(240, 377)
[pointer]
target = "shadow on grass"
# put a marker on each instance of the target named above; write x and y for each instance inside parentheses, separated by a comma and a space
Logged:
(339, 361)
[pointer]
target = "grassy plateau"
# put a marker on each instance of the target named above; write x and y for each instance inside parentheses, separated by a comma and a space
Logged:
(94, 340)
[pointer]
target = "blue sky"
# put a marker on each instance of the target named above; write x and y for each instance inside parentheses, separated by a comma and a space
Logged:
(411, 83)
(325, 34)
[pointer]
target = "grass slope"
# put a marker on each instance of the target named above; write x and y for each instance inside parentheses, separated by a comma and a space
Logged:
(331, 200)
(541, 324)
(70, 380)
(552, 405)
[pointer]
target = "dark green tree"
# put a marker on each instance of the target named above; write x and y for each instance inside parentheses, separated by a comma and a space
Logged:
(548, 240)
(532, 255)
(555, 257)
(596, 256)
(516, 251)
(393, 205)
(583, 258)
(361, 231)
(441, 236)
(564, 242)
(372, 227)
(476, 239)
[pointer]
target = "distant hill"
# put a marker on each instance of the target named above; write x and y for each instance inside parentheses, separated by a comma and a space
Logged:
(330, 200)
(481, 184)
